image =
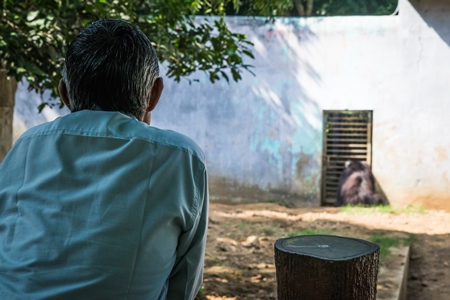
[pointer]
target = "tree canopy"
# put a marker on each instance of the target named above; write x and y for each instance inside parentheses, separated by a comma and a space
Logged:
(324, 8)
(34, 35)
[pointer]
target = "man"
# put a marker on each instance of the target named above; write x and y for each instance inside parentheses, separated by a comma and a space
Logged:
(97, 204)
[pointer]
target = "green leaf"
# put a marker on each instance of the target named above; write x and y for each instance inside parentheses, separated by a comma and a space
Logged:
(224, 75)
(236, 74)
(32, 15)
(38, 22)
(42, 106)
(248, 53)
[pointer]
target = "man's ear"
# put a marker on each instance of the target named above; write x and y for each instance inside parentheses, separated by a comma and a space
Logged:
(62, 88)
(157, 89)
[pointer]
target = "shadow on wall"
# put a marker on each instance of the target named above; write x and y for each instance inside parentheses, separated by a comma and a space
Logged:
(260, 135)
(271, 144)
(379, 190)
(436, 13)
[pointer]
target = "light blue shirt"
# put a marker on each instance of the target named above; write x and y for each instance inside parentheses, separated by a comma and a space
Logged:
(98, 205)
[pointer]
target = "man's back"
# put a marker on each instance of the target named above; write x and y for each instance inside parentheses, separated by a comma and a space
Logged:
(99, 205)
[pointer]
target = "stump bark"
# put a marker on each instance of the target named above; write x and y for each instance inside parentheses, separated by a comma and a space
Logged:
(324, 267)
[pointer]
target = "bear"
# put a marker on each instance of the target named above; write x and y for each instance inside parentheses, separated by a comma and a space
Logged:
(357, 185)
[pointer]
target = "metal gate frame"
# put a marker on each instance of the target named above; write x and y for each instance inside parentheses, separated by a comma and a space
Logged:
(347, 135)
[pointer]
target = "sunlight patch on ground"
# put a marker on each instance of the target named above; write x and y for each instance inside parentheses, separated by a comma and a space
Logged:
(409, 222)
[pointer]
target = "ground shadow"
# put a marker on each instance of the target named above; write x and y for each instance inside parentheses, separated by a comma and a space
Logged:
(239, 256)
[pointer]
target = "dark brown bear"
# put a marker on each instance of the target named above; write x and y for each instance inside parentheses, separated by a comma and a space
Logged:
(357, 185)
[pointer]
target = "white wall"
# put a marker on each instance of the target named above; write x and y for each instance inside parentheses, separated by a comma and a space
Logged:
(263, 136)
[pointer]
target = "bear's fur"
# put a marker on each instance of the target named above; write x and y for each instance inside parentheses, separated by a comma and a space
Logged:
(357, 185)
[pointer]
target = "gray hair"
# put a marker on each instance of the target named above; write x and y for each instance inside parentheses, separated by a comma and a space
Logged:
(111, 64)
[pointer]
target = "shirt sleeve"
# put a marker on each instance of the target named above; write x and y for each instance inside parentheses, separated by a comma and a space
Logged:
(187, 275)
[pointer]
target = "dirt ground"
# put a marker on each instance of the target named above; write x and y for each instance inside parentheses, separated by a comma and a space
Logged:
(239, 261)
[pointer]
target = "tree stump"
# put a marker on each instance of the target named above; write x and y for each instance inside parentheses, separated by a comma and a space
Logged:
(324, 267)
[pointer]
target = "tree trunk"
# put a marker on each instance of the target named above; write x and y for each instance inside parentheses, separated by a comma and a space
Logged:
(8, 89)
(323, 267)
(304, 9)
(300, 9)
(309, 7)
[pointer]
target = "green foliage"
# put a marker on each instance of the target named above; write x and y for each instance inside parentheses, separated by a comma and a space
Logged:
(386, 209)
(242, 226)
(201, 291)
(319, 8)
(310, 232)
(34, 35)
(386, 242)
(259, 7)
(268, 231)
(354, 7)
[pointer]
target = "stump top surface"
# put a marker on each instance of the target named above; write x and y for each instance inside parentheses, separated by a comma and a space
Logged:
(327, 247)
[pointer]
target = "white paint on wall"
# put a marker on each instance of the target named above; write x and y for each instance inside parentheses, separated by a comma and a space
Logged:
(265, 132)
(398, 66)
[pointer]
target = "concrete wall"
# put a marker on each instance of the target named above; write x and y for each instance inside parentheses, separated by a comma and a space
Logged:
(263, 136)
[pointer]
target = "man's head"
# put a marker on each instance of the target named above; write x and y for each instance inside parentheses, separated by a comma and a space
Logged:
(111, 64)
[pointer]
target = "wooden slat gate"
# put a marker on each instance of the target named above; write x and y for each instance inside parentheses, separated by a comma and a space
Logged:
(347, 136)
